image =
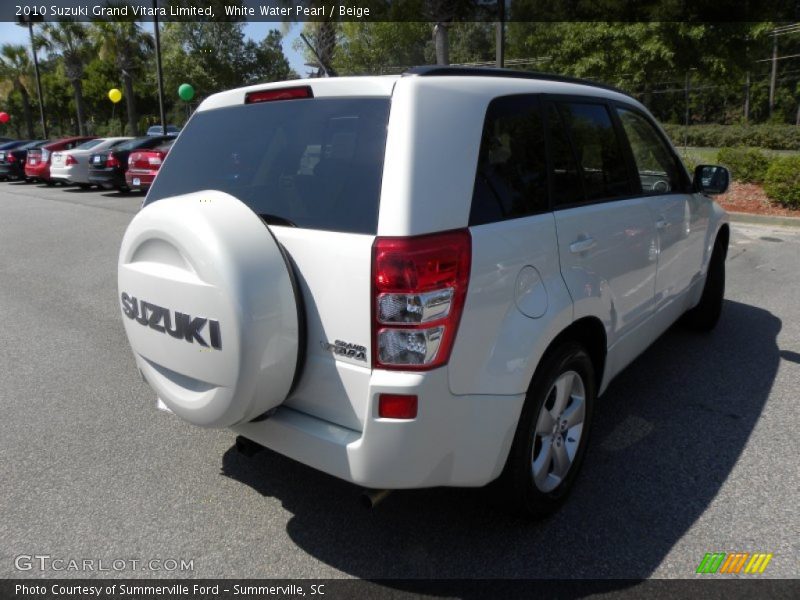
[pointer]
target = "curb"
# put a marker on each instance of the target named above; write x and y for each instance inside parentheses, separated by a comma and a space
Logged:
(738, 217)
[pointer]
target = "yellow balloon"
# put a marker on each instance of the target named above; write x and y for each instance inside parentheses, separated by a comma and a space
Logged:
(114, 95)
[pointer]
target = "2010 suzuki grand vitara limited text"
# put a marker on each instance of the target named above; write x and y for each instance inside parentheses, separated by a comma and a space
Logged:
(417, 280)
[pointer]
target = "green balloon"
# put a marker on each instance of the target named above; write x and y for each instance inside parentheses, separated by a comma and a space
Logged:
(186, 92)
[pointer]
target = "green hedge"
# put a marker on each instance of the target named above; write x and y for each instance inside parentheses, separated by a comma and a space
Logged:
(745, 164)
(782, 181)
(766, 135)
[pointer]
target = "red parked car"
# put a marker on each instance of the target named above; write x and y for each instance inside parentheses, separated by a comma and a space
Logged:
(143, 166)
(37, 164)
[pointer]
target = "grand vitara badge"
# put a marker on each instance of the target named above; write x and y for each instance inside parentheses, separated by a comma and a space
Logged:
(340, 348)
(177, 324)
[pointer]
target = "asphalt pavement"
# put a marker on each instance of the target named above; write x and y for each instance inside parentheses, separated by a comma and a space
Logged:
(694, 447)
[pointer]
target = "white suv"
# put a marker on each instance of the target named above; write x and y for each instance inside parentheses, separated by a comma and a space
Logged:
(417, 280)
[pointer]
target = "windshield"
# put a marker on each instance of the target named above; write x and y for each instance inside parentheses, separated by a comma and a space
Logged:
(312, 163)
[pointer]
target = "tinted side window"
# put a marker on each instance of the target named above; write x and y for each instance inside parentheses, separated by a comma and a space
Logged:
(658, 170)
(597, 150)
(567, 186)
(511, 179)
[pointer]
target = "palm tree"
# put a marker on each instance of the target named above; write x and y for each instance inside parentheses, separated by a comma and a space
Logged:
(322, 36)
(441, 12)
(126, 44)
(70, 40)
(15, 70)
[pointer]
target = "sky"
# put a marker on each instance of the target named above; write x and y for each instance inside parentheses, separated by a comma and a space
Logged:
(14, 34)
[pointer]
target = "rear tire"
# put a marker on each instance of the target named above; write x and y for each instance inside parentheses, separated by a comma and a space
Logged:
(552, 434)
(705, 315)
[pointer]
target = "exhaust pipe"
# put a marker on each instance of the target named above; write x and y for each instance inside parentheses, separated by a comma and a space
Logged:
(371, 498)
(247, 447)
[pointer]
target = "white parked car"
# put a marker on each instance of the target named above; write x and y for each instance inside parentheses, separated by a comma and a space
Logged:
(418, 280)
(72, 166)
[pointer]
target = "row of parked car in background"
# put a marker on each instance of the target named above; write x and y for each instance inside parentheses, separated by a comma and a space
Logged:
(121, 163)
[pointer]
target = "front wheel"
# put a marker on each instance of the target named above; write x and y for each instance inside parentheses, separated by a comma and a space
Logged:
(552, 434)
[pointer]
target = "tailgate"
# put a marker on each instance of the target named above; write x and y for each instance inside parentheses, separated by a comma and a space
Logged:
(333, 274)
(312, 170)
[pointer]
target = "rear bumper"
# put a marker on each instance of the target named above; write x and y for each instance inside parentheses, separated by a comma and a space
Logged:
(145, 179)
(13, 171)
(107, 180)
(61, 173)
(454, 441)
(38, 172)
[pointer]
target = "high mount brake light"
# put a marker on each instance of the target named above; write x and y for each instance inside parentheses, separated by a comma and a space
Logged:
(290, 93)
(419, 287)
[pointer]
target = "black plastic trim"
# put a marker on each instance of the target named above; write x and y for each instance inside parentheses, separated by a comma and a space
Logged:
(302, 337)
(439, 71)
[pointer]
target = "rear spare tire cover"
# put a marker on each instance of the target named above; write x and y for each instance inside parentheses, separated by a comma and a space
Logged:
(209, 308)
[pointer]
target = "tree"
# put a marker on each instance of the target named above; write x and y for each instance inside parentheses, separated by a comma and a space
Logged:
(270, 62)
(71, 41)
(654, 61)
(15, 70)
(444, 13)
(215, 56)
(378, 47)
(127, 46)
(323, 37)
(371, 48)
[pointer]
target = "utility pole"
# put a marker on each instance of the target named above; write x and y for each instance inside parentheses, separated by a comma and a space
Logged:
(686, 115)
(774, 72)
(159, 73)
(747, 98)
(29, 20)
(501, 33)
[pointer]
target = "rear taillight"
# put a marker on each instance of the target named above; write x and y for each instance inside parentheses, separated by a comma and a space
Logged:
(71, 160)
(289, 93)
(154, 161)
(111, 161)
(419, 287)
(11, 158)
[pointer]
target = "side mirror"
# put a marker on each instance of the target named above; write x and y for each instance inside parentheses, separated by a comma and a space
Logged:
(711, 179)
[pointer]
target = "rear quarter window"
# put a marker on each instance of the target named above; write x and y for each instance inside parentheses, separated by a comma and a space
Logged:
(315, 163)
(511, 177)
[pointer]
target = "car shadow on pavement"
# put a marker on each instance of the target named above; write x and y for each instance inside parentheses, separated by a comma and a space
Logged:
(81, 190)
(117, 194)
(666, 435)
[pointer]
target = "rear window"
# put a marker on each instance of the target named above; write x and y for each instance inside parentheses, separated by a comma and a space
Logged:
(131, 144)
(314, 163)
(89, 144)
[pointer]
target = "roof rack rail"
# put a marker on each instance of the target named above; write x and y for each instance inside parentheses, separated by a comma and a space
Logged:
(438, 71)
